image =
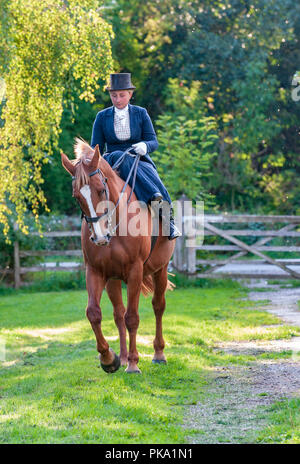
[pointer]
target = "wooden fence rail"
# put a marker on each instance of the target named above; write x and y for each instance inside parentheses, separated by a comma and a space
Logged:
(185, 257)
(20, 270)
(196, 229)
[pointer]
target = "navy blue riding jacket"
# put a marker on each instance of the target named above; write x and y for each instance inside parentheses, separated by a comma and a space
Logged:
(141, 129)
(148, 181)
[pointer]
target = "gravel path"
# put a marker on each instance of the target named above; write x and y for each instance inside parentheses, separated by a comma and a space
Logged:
(236, 401)
(283, 303)
(256, 269)
(233, 408)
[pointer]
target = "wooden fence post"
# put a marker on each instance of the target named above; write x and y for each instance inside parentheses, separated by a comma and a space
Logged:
(184, 258)
(178, 256)
(189, 230)
(17, 273)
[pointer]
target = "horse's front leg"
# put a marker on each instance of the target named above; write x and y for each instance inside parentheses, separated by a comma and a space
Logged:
(114, 291)
(134, 284)
(95, 284)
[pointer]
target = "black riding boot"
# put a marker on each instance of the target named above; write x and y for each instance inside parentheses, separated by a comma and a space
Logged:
(168, 223)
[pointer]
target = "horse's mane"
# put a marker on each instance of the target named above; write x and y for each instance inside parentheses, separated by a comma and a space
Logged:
(84, 153)
(82, 149)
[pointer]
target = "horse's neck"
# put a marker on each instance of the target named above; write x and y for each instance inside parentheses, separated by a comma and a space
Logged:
(115, 186)
(115, 183)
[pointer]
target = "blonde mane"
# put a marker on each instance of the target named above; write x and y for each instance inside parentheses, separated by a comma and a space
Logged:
(82, 149)
(84, 153)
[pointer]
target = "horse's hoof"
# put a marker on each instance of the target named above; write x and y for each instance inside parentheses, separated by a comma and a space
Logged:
(133, 371)
(159, 361)
(123, 362)
(114, 366)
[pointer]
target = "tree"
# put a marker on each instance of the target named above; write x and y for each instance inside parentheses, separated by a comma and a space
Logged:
(145, 40)
(243, 53)
(50, 51)
(187, 137)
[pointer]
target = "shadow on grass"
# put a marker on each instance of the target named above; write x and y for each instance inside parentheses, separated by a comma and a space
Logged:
(57, 393)
(61, 385)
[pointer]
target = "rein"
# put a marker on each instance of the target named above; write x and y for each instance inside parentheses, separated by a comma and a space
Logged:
(95, 219)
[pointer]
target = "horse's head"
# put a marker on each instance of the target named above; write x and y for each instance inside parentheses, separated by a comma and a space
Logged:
(89, 189)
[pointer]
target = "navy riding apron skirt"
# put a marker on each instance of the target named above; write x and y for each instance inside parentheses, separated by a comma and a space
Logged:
(147, 179)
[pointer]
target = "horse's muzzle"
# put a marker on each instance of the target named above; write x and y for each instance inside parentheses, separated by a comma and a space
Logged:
(102, 241)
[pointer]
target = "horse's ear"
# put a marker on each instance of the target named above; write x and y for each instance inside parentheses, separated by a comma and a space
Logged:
(96, 158)
(67, 164)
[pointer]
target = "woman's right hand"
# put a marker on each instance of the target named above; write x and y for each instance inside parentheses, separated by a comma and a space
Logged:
(140, 148)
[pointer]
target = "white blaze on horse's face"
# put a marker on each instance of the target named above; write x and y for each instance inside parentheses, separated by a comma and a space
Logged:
(99, 238)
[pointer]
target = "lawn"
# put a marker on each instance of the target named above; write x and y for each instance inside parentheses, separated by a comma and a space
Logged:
(52, 391)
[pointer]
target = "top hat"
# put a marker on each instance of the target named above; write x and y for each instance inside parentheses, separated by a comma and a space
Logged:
(120, 81)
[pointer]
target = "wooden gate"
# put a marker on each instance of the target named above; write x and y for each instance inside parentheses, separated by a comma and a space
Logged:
(191, 260)
(284, 228)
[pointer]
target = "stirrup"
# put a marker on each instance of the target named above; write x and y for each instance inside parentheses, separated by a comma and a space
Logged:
(175, 233)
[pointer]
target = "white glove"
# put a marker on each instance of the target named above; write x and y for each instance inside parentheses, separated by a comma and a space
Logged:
(140, 148)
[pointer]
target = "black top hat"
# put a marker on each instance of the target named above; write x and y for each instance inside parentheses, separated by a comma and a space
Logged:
(120, 81)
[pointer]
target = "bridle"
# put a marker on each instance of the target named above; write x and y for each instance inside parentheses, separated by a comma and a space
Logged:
(92, 220)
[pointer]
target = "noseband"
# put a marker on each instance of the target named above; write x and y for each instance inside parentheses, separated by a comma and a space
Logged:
(133, 171)
(92, 220)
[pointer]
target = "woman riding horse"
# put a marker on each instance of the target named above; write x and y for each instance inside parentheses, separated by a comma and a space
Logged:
(126, 257)
(123, 126)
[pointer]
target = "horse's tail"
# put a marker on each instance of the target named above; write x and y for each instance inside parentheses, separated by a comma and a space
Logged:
(170, 285)
(148, 287)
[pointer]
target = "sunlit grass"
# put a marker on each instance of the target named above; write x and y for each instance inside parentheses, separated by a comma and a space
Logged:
(284, 425)
(52, 391)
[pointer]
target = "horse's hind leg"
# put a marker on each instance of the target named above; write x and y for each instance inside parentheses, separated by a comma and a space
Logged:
(134, 284)
(160, 280)
(114, 291)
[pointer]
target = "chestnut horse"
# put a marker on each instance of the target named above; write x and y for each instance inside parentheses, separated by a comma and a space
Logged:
(122, 257)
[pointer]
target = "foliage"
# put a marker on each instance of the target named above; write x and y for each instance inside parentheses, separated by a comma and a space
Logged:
(32, 241)
(49, 52)
(77, 121)
(144, 44)
(244, 55)
(183, 281)
(186, 141)
(48, 281)
(230, 48)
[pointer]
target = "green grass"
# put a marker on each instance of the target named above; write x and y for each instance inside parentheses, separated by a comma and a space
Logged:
(284, 425)
(285, 284)
(51, 390)
(47, 281)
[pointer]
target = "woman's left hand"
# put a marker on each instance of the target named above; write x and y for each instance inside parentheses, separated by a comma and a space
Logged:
(140, 148)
